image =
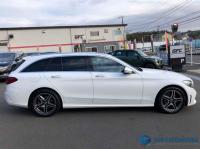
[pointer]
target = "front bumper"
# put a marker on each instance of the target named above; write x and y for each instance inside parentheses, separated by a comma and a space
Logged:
(191, 96)
(159, 65)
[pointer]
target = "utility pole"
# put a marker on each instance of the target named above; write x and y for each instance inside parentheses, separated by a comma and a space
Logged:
(122, 19)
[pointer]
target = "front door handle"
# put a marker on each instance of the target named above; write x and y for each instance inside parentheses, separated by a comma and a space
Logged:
(99, 76)
(55, 77)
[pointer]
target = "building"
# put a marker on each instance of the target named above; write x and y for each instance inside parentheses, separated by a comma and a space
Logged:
(96, 38)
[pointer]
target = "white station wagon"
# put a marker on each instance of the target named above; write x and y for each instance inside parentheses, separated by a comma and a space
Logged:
(46, 84)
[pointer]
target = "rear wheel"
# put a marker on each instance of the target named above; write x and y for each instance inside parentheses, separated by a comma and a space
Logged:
(171, 100)
(45, 102)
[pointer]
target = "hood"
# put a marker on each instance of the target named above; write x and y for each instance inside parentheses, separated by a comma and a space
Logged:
(163, 74)
(4, 63)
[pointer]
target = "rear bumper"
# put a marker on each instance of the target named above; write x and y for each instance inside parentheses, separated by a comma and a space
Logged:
(14, 98)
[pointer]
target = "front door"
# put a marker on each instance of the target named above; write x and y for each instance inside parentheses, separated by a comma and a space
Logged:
(113, 87)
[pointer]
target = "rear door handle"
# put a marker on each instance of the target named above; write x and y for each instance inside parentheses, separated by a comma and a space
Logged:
(99, 76)
(55, 77)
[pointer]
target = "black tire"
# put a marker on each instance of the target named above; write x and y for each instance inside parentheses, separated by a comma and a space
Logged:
(150, 65)
(171, 100)
(45, 102)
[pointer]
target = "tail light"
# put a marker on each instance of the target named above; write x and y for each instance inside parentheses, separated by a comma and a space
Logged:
(10, 80)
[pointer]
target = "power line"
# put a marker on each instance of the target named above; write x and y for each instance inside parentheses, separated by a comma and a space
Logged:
(165, 13)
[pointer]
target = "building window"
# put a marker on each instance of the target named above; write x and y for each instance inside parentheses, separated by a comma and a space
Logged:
(3, 44)
(78, 37)
(117, 32)
(109, 48)
(91, 49)
(105, 30)
(94, 33)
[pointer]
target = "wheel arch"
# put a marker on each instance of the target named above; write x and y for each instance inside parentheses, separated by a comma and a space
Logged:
(150, 63)
(30, 97)
(181, 88)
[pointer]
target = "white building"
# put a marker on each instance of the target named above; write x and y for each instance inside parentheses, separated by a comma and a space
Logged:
(101, 38)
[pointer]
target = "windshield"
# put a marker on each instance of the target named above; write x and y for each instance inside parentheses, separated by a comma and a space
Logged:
(6, 57)
(3, 64)
(142, 53)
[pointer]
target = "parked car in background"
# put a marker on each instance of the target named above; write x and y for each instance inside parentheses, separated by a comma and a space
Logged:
(52, 82)
(138, 58)
(6, 62)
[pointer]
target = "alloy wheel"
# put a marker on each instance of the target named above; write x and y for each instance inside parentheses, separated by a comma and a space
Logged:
(45, 104)
(172, 101)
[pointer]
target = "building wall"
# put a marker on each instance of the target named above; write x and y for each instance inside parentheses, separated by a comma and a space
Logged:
(39, 40)
(3, 41)
(62, 39)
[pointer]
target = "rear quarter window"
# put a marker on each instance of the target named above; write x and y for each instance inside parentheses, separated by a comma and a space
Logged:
(50, 64)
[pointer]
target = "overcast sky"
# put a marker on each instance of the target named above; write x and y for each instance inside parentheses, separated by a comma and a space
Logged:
(77, 12)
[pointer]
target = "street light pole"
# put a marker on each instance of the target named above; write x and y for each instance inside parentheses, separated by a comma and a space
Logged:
(122, 19)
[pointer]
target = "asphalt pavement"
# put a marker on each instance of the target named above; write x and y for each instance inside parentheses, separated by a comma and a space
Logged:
(110, 128)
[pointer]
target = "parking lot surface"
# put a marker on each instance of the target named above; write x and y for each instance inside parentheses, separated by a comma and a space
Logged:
(118, 128)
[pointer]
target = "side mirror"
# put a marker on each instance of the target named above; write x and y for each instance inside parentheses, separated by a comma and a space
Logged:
(127, 70)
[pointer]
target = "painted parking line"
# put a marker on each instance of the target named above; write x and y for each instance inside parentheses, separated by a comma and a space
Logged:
(193, 63)
(193, 77)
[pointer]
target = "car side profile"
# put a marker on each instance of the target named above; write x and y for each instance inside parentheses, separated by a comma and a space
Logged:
(138, 58)
(45, 84)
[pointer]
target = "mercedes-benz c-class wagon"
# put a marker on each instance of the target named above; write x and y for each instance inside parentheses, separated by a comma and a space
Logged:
(48, 83)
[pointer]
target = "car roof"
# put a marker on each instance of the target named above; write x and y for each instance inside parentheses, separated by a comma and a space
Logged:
(33, 58)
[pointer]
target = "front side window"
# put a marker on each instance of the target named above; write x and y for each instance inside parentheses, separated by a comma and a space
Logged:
(76, 63)
(101, 64)
(133, 55)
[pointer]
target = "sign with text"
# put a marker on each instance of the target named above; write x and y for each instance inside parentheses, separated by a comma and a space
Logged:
(177, 51)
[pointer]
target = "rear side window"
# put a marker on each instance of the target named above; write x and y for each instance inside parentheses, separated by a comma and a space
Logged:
(51, 64)
(75, 63)
(54, 64)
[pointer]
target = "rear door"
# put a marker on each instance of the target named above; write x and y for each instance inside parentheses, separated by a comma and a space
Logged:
(71, 77)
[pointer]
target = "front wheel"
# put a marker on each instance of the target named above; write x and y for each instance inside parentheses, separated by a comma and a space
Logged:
(45, 102)
(171, 100)
(150, 65)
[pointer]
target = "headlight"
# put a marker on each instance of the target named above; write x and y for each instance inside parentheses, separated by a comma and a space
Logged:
(3, 68)
(157, 61)
(188, 83)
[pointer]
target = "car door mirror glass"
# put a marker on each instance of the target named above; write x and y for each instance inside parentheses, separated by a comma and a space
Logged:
(127, 70)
